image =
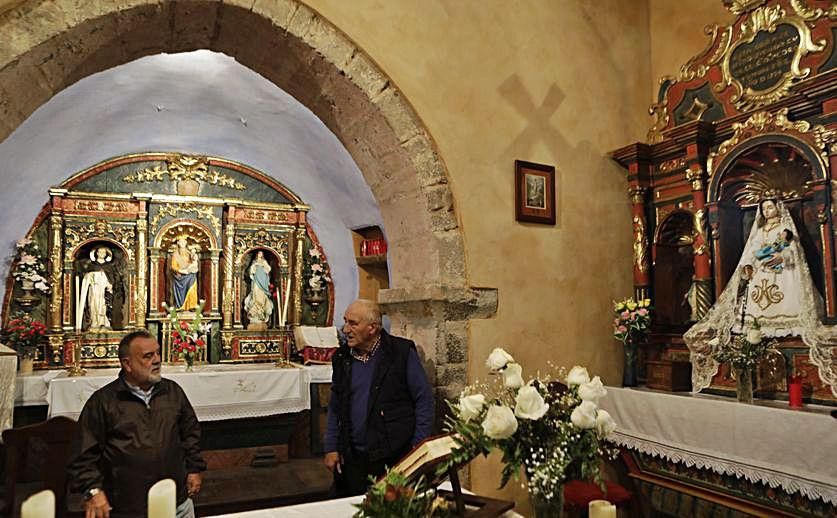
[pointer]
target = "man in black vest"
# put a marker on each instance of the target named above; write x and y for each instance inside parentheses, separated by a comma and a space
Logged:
(381, 402)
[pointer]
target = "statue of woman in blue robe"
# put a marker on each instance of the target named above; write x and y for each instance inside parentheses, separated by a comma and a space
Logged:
(184, 272)
(258, 303)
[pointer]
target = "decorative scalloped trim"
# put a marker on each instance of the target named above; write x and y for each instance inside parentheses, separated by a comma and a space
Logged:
(808, 488)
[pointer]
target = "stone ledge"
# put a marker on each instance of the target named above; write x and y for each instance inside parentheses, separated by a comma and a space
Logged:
(440, 302)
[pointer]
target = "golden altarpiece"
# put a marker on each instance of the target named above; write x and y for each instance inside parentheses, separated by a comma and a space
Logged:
(753, 114)
(134, 235)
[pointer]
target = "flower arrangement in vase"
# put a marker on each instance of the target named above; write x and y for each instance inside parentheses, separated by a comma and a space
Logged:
(631, 323)
(742, 353)
(23, 334)
(188, 337)
(550, 426)
(316, 272)
(395, 497)
(29, 270)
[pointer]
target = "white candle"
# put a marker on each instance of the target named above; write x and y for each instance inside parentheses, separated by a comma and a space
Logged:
(39, 505)
(601, 509)
(162, 499)
(79, 314)
(287, 302)
(278, 307)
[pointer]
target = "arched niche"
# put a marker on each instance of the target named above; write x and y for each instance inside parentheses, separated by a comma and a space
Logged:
(777, 163)
(674, 269)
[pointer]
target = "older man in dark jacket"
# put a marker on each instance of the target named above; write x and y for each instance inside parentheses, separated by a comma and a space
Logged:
(135, 431)
(381, 402)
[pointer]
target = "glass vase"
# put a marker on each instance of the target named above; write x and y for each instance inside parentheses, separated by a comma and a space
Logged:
(743, 384)
(189, 358)
(548, 507)
(629, 371)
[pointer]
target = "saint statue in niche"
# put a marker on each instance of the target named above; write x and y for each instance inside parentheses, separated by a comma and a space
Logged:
(101, 292)
(184, 274)
(258, 303)
(772, 284)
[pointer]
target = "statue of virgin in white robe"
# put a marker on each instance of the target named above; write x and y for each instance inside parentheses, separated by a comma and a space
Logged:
(771, 284)
(94, 288)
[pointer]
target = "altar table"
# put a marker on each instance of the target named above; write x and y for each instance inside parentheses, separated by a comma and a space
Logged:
(770, 443)
(217, 392)
(338, 508)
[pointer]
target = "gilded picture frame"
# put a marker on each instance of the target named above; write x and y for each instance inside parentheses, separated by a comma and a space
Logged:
(534, 192)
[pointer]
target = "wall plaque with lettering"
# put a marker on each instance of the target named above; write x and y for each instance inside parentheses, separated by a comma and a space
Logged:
(763, 63)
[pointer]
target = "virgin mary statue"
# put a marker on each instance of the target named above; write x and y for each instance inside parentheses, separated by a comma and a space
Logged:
(771, 284)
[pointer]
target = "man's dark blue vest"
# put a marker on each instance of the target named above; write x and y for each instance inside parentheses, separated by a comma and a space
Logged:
(391, 417)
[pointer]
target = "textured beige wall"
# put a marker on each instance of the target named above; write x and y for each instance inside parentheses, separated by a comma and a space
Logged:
(676, 30)
(559, 82)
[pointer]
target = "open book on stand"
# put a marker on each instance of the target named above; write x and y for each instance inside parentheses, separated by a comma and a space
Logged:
(425, 457)
(424, 460)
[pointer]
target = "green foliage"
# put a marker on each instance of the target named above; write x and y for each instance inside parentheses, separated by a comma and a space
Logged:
(394, 497)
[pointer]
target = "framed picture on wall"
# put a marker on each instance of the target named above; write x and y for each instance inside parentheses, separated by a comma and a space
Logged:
(534, 192)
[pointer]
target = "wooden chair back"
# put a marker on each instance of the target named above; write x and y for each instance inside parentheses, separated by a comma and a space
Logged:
(57, 434)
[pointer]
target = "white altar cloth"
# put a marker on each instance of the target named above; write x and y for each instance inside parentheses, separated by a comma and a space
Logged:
(338, 508)
(216, 391)
(794, 449)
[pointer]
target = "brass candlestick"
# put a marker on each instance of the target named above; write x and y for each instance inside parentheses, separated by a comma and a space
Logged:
(283, 362)
(75, 369)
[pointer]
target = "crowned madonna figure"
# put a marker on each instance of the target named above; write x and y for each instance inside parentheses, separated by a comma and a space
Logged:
(771, 284)
(184, 275)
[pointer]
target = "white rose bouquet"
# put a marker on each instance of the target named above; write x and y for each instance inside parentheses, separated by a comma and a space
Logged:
(29, 265)
(316, 271)
(549, 425)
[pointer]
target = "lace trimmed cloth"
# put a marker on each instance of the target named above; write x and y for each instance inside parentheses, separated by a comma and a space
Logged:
(781, 296)
(773, 446)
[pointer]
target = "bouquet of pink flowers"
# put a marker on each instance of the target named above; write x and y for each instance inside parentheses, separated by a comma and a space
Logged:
(633, 318)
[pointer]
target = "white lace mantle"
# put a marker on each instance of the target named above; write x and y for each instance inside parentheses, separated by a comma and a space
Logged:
(811, 489)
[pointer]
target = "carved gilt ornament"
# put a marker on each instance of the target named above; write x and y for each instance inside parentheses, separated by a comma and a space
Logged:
(763, 123)
(183, 168)
(640, 245)
(764, 60)
(738, 7)
(200, 212)
(278, 242)
(77, 234)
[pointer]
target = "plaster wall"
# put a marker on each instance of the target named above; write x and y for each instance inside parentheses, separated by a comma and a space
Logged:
(540, 81)
(676, 32)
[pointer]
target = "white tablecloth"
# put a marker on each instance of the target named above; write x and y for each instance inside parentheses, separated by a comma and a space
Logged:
(339, 508)
(216, 391)
(8, 368)
(794, 449)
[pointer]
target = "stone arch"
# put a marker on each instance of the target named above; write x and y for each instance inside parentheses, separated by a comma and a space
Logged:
(51, 45)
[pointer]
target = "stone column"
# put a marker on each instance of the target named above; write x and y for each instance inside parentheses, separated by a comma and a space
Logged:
(436, 318)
